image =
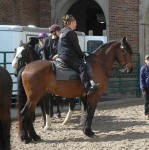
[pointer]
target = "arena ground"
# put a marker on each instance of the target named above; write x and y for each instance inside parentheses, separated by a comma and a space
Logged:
(118, 125)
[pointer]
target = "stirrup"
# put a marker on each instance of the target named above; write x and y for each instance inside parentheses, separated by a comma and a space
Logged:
(93, 88)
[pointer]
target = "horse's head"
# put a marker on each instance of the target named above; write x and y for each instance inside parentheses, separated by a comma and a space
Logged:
(24, 55)
(17, 56)
(123, 55)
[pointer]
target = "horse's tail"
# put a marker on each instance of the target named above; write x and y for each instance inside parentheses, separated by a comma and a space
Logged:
(5, 134)
(21, 98)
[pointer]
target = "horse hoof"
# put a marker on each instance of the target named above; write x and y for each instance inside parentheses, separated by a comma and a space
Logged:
(65, 123)
(26, 140)
(89, 132)
(58, 115)
(46, 128)
(37, 138)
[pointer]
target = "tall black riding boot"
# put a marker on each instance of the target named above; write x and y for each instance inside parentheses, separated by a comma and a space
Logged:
(94, 85)
(86, 78)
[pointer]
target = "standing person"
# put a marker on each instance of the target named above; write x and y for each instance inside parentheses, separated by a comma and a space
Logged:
(70, 52)
(51, 43)
(47, 50)
(47, 46)
(39, 47)
(144, 84)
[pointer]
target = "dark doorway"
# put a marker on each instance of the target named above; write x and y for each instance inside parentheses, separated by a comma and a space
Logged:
(89, 16)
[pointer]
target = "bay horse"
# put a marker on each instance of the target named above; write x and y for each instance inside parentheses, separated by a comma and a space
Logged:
(23, 56)
(5, 102)
(38, 78)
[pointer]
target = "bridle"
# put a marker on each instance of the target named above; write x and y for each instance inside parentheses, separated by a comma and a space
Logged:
(124, 53)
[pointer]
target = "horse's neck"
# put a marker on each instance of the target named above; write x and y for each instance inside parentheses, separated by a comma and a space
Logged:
(109, 61)
(106, 61)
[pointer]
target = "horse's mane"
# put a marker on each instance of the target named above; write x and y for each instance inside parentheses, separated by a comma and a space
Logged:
(101, 49)
(32, 42)
(30, 47)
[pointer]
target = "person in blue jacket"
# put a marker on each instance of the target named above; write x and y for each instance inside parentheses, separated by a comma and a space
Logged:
(144, 84)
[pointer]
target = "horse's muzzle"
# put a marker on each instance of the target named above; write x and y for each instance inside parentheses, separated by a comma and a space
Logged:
(126, 69)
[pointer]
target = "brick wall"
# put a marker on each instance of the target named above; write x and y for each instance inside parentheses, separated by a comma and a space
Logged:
(123, 16)
(45, 13)
(25, 12)
(124, 21)
(7, 12)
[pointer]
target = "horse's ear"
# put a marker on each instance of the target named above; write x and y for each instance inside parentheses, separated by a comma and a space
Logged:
(124, 40)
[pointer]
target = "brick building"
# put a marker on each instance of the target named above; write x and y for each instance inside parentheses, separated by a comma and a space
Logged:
(114, 18)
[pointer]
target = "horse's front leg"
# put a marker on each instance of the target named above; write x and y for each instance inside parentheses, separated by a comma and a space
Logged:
(57, 100)
(51, 97)
(47, 103)
(88, 122)
(41, 103)
(71, 108)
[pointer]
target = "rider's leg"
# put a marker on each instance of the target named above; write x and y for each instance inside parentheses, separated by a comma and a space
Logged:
(94, 85)
(87, 80)
(78, 65)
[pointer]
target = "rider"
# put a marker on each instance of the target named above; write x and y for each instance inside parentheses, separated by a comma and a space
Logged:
(70, 52)
(39, 47)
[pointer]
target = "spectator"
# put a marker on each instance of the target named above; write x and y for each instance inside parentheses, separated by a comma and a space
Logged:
(144, 84)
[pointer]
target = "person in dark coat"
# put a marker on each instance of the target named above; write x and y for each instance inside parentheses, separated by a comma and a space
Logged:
(51, 42)
(48, 45)
(48, 51)
(39, 47)
(144, 84)
(70, 52)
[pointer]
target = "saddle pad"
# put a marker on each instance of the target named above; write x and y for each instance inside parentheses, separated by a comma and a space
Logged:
(63, 72)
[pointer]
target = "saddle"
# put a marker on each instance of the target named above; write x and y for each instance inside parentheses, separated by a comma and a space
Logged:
(63, 71)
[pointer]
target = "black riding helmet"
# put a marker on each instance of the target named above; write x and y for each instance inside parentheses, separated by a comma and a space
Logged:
(54, 28)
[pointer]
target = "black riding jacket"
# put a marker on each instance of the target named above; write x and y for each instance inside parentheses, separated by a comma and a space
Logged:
(39, 52)
(50, 47)
(68, 44)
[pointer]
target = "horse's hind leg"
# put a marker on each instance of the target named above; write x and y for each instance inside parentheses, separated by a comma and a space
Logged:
(27, 123)
(31, 129)
(87, 126)
(71, 108)
(24, 125)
